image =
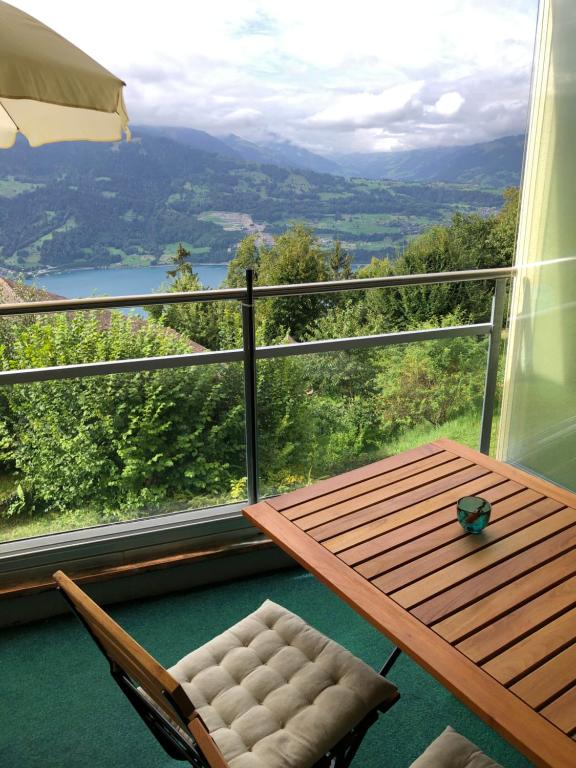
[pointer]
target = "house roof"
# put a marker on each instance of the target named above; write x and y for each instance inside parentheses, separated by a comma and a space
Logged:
(12, 292)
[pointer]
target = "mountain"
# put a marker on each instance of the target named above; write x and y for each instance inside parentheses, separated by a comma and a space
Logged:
(83, 204)
(282, 153)
(491, 164)
(274, 151)
(190, 137)
(495, 164)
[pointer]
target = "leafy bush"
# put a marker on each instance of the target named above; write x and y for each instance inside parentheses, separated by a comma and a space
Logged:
(116, 441)
(429, 383)
(133, 441)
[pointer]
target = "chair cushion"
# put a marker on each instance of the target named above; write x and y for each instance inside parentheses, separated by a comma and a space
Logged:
(451, 750)
(276, 693)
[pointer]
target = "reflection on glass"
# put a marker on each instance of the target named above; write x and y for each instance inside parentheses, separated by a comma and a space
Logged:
(539, 429)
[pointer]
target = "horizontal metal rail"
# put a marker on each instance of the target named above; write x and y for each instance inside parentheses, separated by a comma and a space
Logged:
(260, 292)
(135, 365)
(130, 365)
(398, 281)
(379, 340)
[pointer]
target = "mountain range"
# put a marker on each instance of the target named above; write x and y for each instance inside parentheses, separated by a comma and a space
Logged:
(80, 204)
(495, 163)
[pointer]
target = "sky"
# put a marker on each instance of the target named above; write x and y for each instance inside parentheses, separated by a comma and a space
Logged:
(333, 77)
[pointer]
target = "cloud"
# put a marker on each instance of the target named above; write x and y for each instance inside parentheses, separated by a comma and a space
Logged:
(259, 24)
(448, 104)
(332, 77)
(244, 116)
(359, 110)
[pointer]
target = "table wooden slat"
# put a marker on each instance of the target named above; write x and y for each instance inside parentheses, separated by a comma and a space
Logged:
(424, 538)
(512, 473)
(488, 609)
(549, 680)
(338, 515)
(562, 711)
(322, 487)
(499, 575)
(534, 649)
(492, 616)
(428, 516)
(516, 623)
(367, 523)
(372, 484)
(474, 564)
(466, 545)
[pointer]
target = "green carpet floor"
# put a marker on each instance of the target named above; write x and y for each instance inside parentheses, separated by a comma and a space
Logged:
(59, 708)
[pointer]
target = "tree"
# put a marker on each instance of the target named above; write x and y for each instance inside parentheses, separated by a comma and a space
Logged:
(247, 257)
(296, 256)
(469, 242)
(381, 309)
(429, 383)
(503, 235)
(197, 321)
(183, 268)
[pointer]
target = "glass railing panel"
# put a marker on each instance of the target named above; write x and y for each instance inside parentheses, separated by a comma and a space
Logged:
(105, 449)
(133, 442)
(322, 414)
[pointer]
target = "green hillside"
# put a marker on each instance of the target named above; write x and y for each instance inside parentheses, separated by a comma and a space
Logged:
(78, 205)
(492, 164)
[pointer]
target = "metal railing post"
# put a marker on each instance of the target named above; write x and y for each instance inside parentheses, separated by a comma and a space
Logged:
(251, 425)
(496, 322)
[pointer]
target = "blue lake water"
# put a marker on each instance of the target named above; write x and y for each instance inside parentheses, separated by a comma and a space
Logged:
(123, 281)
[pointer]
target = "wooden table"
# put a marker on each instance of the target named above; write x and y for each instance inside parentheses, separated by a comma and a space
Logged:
(492, 616)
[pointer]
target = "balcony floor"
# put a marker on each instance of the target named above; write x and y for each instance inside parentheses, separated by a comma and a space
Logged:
(59, 708)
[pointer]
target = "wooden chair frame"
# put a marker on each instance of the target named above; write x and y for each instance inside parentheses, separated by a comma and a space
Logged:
(161, 701)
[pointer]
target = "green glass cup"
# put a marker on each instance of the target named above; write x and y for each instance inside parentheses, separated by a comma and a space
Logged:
(473, 513)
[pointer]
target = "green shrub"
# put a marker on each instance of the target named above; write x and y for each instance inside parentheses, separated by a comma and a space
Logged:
(122, 440)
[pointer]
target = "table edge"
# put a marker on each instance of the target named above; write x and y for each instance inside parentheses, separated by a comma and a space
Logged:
(535, 483)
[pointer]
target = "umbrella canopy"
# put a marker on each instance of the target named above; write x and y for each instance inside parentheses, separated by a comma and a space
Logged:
(50, 90)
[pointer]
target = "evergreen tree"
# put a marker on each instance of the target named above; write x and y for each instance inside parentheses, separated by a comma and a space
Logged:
(197, 321)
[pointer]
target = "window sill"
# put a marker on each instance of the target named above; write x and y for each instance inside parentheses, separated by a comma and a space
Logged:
(117, 544)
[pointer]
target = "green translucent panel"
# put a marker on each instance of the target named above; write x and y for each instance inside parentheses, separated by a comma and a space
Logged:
(538, 428)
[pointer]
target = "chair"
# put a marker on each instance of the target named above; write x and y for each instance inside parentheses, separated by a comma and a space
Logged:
(270, 692)
(451, 750)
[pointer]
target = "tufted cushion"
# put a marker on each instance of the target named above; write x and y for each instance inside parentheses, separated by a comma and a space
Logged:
(275, 693)
(451, 750)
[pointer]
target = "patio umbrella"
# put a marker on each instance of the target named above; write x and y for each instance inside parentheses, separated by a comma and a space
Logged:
(50, 90)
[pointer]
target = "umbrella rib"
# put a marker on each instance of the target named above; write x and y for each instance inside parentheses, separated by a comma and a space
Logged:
(9, 115)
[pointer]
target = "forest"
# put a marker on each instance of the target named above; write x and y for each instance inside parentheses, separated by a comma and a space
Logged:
(101, 449)
(73, 206)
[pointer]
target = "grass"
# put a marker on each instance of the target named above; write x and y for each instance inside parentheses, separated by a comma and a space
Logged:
(9, 187)
(136, 260)
(27, 526)
(465, 430)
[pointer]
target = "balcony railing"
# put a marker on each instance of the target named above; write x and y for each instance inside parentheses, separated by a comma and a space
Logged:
(249, 353)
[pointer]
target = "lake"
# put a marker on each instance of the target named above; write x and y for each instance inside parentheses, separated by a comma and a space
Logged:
(123, 281)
